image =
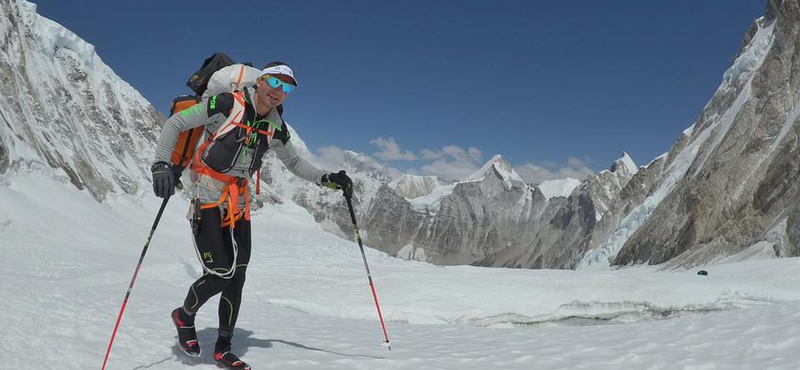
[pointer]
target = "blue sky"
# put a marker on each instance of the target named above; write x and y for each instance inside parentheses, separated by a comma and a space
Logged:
(560, 88)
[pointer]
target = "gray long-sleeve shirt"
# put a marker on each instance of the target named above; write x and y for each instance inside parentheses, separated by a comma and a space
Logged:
(213, 112)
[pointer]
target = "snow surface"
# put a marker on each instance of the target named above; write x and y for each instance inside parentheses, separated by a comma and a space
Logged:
(432, 202)
(307, 303)
(413, 186)
(559, 187)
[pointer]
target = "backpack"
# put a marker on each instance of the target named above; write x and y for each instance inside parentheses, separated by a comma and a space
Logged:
(199, 80)
(187, 140)
(217, 75)
(231, 78)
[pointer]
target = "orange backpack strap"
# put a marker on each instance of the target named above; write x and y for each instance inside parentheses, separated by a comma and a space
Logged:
(230, 193)
(236, 120)
(233, 185)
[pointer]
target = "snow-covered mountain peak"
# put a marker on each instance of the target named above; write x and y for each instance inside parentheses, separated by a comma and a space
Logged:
(501, 167)
(558, 187)
(625, 162)
(413, 186)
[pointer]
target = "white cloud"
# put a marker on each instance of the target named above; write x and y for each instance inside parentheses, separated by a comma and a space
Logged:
(452, 162)
(430, 155)
(475, 153)
(534, 174)
(458, 154)
(330, 157)
(390, 150)
(449, 170)
(576, 162)
(333, 158)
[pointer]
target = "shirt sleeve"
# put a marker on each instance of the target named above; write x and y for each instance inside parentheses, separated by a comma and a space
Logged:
(211, 109)
(283, 147)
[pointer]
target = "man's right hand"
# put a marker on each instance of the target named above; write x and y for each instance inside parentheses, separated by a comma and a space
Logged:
(163, 179)
(339, 181)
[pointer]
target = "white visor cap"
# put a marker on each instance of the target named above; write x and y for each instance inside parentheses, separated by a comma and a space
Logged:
(280, 69)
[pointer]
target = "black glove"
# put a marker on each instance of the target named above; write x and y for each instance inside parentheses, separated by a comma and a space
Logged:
(339, 180)
(163, 179)
(177, 171)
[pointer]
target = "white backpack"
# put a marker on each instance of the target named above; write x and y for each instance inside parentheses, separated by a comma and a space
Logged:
(231, 78)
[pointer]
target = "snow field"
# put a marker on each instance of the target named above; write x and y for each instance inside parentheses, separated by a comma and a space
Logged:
(307, 305)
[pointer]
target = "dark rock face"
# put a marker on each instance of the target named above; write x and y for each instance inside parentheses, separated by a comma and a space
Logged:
(741, 186)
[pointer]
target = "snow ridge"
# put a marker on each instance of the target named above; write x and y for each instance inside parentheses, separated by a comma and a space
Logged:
(559, 187)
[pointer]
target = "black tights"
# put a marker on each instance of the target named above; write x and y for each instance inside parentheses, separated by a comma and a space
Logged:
(216, 250)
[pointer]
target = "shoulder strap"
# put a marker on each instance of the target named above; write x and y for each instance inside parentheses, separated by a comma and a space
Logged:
(235, 117)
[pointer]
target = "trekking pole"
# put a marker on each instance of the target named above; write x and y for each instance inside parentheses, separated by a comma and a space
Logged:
(369, 276)
(133, 280)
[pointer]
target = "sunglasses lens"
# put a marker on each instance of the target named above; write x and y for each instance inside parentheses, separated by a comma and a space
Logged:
(276, 83)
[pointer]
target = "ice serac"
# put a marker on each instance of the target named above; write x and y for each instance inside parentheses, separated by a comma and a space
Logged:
(65, 112)
(734, 183)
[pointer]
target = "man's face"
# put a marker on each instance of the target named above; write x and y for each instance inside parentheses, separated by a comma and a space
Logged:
(269, 97)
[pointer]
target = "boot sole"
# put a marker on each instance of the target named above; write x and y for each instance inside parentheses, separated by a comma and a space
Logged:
(190, 354)
(223, 366)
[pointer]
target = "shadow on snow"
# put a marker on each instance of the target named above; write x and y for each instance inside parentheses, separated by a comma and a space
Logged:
(242, 342)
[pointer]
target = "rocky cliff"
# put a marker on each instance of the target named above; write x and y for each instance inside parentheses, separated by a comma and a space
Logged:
(736, 176)
(65, 112)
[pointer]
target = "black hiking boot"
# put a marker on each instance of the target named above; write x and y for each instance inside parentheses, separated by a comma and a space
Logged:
(187, 337)
(227, 360)
(223, 357)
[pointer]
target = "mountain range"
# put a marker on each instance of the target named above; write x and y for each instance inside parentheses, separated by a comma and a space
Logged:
(728, 185)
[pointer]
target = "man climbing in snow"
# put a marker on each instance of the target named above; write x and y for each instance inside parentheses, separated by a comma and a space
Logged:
(239, 129)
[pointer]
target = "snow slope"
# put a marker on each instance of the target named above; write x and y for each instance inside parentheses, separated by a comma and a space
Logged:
(559, 187)
(307, 304)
